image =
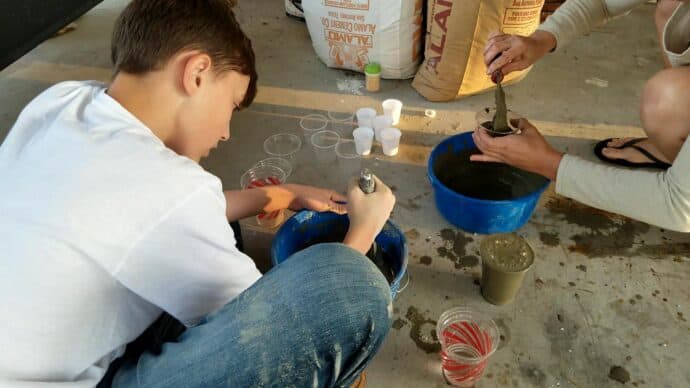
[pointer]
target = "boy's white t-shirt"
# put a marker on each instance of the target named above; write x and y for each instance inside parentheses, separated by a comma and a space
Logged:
(102, 227)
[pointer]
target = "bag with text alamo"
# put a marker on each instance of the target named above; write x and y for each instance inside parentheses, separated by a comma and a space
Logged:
(349, 34)
(456, 36)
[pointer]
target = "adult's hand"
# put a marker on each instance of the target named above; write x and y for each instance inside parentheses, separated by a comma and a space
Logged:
(516, 52)
(527, 150)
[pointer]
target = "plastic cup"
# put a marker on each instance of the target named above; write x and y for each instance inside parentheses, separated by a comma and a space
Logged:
(380, 123)
(261, 176)
(365, 117)
(364, 140)
(505, 260)
(390, 141)
(485, 118)
(323, 143)
(283, 145)
(468, 338)
(281, 163)
(310, 124)
(393, 109)
(349, 160)
(341, 122)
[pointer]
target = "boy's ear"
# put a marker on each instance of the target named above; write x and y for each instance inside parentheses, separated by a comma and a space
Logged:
(197, 69)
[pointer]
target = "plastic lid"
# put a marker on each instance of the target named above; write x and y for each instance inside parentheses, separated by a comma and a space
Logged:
(373, 68)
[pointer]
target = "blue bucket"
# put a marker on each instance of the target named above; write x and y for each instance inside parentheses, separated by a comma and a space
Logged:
(475, 215)
(305, 227)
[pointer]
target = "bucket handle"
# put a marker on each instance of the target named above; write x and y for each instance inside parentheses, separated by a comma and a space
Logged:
(407, 283)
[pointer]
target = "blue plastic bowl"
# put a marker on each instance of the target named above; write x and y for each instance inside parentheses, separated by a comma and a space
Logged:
(478, 215)
(300, 230)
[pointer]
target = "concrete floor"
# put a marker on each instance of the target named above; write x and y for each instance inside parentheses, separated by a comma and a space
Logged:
(605, 290)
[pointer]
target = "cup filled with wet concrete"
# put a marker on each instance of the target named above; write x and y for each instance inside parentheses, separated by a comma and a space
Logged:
(505, 260)
(481, 197)
(307, 228)
(468, 338)
(487, 119)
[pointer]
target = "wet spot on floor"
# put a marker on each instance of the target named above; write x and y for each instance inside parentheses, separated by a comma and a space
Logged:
(550, 239)
(562, 333)
(457, 253)
(608, 234)
(423, 331)
(681, 317)
(571, 284)
(412, 234)
(538, 283)
(638, 296)
(582, 268)
(620, 374)
(659, 250)
(533, 374)
(399, 323)
(426, 260)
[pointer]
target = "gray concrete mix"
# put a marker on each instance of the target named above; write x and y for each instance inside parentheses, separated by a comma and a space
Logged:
(605, 291)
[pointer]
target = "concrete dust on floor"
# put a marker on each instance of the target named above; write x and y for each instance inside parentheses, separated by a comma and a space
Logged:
(608, 298)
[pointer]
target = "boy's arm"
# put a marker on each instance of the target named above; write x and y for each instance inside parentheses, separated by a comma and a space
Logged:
(246, 203)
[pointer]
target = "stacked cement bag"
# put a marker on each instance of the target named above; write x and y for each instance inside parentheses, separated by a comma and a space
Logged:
(349, 34)
(456, 37)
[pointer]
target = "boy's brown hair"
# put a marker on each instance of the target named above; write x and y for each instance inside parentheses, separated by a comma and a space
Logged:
(149, 33)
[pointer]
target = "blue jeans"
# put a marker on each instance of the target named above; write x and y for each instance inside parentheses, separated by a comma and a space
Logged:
(316, 320)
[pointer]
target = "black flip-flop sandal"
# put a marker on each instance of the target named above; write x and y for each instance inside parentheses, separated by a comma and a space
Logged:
(655, 162)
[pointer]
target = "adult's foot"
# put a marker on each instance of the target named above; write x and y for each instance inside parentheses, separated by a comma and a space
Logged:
(634, 151)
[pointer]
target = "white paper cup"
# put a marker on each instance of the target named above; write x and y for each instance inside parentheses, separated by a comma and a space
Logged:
(380, 123)
(365, 117)
(390, 141)
(393, 109)
(364, 139)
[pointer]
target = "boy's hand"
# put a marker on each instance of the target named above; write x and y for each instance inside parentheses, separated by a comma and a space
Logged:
(527, 150)
(316, 199)
(368, 214)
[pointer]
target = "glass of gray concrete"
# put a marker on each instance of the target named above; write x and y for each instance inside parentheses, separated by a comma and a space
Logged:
(505, 260)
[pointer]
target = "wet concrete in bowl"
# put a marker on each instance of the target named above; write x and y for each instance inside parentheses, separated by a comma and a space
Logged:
(490, 181)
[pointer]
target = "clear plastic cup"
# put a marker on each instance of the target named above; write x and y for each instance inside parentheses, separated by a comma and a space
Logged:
(281, 163)
(380, 123)
(390, 141)
(341, 122)
(261, 176)
(364, 140)
(485, 118)
(310, 124)
(349, 161)
(323, 143)
(365, 117)
(468, 338)
(393, 109)
(283, 145)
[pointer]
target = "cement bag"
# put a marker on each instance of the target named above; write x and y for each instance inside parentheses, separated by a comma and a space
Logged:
(349, 34)
(457, 31)
(294, 8)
